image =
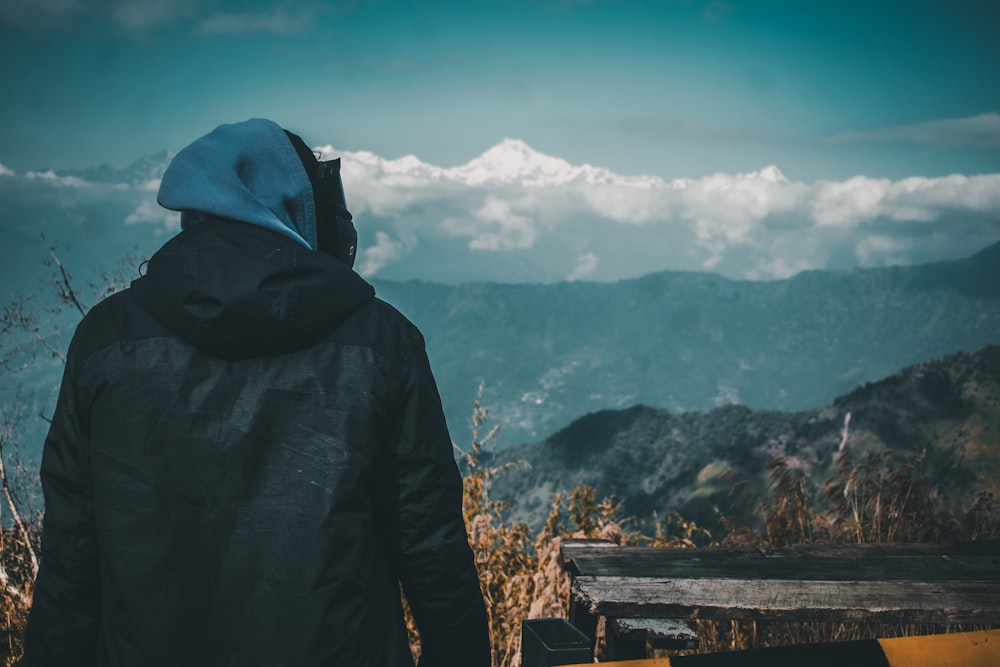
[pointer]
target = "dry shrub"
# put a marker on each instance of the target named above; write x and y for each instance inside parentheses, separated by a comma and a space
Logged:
(16, 586)
(503, 550)
(679, 533)
(19, 533)
(884, 498)
(787, 514)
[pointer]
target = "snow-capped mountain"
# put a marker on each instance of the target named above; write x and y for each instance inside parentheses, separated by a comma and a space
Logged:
(514, 213)
(510, 162)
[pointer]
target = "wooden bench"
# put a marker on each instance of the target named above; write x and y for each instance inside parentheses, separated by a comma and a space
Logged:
(873, 583)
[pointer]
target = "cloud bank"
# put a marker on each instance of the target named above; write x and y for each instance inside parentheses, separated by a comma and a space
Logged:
(516, 215)
(545, 219)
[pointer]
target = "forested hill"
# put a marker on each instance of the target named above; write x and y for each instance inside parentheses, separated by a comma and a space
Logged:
(943, 414)
(692, 341)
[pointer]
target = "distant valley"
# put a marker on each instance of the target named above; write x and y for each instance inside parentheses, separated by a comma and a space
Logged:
(549, 354)
(684, 342)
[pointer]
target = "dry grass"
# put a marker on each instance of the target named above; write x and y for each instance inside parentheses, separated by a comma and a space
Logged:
(19, 533)
(16, 583)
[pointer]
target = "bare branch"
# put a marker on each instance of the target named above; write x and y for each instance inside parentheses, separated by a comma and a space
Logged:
(56, 352)
(66, 289)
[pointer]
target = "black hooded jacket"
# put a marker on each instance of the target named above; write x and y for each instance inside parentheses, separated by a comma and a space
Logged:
(247, 458)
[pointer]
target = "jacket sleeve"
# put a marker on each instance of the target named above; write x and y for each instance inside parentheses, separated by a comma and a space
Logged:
(436, 565)
(64, 620)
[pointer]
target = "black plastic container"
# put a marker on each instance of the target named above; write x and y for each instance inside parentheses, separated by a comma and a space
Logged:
(553, 641)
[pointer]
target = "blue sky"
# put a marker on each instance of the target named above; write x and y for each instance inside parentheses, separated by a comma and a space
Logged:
(522, 140)
(682, 88)
(534, 141)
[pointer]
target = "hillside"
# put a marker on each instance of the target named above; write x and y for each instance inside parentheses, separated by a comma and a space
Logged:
(692, 341)
(947, 412)
(550, 353)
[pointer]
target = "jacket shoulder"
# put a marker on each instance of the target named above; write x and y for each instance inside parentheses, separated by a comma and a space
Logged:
(379, 325)
(116, 318)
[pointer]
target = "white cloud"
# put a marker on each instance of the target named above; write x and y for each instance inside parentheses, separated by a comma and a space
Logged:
(982, 131)
(877, 250)
(727, 209)
(57, 179)
(5, 171)
(149, 212)
(586, 264)
(860, 200)
(549, 213)
(778, 267)
(847, 204)
(494, 226)
(516, 215)
(385, 250)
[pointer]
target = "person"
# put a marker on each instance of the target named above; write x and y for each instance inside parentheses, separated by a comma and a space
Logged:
(248, 458)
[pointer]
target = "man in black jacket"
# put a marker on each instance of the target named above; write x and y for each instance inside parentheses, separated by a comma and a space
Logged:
(248, 456)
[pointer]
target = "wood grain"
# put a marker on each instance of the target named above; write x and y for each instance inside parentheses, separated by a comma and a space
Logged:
(929, 602)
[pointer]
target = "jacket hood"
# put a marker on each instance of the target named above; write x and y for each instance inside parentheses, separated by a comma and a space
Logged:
(238, 291)
(246, 171)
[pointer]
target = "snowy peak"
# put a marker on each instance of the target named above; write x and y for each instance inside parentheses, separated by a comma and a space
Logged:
(513, 160)
(770, 173)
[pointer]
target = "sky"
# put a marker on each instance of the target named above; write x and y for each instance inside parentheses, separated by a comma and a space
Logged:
(535, 140)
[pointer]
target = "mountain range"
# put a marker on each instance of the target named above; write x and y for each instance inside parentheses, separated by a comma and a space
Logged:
(548, 354)
(944, 415)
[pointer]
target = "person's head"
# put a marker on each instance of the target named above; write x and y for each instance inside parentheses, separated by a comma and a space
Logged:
(335, 231)
(258, 173)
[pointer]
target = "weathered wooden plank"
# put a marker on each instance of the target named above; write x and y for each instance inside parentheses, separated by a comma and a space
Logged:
(931, 602)
(913, 568)
(583, 549)
(818, 562)
(574, 545)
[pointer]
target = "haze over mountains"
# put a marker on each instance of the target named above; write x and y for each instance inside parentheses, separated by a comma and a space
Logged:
(687, 341)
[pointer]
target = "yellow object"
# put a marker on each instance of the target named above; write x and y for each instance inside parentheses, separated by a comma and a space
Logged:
(649, 662)
(960, 649)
